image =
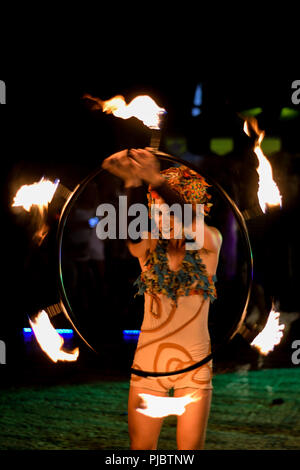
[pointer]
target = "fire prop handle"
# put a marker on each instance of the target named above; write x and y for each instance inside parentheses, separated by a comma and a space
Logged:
(156, 131)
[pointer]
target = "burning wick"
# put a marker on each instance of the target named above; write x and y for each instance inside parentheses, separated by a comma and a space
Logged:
(271, 335)
(268, 192)
(159, 407)
(39, 194)
(49, 340)
(142, 107)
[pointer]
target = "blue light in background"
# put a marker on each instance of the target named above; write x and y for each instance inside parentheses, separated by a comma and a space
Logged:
(128, 335)
(198, 95)
(196, 110)
(62, 331)
(131, 335)
(93, 221)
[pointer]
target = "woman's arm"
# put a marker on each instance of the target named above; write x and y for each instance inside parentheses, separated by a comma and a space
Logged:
(137, 194)
(121, 165)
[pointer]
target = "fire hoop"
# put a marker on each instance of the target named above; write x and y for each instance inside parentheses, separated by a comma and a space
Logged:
(239, 317)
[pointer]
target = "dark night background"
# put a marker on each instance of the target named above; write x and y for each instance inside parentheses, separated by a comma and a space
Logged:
(47, 129)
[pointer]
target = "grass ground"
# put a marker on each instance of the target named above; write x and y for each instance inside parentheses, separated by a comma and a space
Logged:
(250, 410)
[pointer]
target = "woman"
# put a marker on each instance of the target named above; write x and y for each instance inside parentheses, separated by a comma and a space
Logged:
(178, 285)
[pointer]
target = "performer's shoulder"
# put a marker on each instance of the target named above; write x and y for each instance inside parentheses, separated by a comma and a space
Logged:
(212, 238)
(217, 234)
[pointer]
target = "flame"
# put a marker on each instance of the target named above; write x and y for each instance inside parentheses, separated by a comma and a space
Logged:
(142, 107)
(41, 234)
(49, 340)
(39, 194)
(268, 192)
(159, 407)
(271, 335)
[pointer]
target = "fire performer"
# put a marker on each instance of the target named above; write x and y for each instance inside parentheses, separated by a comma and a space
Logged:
(178, 285)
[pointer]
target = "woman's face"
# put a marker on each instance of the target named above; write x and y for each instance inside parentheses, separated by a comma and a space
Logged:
(167, 224)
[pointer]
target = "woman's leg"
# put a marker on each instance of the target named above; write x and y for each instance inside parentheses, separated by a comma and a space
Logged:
(191, 426)
(143, 430)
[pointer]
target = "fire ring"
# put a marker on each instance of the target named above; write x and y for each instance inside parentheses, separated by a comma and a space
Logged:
(235, 327)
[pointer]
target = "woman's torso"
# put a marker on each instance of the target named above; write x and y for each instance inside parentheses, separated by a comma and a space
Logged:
(184, 323)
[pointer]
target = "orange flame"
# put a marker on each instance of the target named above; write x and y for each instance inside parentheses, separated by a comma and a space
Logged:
(159, 407)
(271, 335)
(39, 194)
(49, 340)
(142, 107)
(268, 192)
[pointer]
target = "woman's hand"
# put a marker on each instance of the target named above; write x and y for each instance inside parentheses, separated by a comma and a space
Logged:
(146, 166)
(121, 165)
